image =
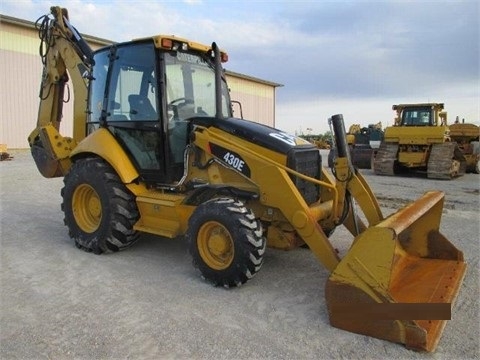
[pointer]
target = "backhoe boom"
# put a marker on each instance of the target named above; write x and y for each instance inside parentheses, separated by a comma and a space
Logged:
(65, 56)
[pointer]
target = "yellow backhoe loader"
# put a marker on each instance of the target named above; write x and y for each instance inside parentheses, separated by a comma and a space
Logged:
(155, 149)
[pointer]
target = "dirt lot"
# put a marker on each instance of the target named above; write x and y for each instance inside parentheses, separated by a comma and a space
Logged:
(148, 302)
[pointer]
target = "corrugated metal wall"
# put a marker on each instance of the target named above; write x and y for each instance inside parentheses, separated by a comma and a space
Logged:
(19, 84)
(257, 99)
(20, 75)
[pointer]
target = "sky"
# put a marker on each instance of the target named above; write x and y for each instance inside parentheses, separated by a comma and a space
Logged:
(355, 58)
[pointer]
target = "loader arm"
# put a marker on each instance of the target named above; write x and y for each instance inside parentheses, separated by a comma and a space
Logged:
(399, 277)
(276, 191)
(65, 55)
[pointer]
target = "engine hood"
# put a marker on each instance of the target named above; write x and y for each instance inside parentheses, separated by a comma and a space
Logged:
(259, 134)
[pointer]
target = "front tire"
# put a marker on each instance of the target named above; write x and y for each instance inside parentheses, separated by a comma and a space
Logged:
(226, 242)
(99, 210)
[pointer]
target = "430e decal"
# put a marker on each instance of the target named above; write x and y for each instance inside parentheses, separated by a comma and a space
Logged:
(231, 158)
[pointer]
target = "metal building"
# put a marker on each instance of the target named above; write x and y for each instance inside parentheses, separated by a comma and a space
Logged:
(21, 70)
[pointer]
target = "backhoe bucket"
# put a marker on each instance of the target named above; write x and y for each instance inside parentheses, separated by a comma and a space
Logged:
(399, 279)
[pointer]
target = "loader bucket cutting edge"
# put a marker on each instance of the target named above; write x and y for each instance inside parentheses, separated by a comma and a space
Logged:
(398, 280)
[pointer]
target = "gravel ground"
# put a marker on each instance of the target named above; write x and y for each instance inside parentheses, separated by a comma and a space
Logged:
(148, 302)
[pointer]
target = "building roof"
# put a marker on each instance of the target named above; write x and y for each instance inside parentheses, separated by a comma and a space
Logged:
(248, 77)
(31, 25)
(105, 42)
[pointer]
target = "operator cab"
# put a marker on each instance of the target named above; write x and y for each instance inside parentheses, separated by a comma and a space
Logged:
(145, 95)
(417, 117)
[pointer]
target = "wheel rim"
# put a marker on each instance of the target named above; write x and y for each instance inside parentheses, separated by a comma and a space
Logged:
(215, 245)
(87, 208)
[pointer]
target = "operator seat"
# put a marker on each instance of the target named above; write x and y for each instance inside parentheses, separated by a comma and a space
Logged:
(141, 108)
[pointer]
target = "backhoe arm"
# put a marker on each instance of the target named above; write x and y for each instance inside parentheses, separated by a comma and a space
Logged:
(64, 55)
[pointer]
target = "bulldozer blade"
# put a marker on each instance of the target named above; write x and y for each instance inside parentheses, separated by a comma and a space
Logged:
(399, 279)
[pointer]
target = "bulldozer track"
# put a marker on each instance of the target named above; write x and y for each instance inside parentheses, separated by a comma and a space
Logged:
(384, 163)
(446, 161)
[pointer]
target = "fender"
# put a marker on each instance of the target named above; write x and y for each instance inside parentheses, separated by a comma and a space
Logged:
(102, 143)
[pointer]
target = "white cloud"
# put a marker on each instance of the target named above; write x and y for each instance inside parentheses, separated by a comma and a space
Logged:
(358, 58)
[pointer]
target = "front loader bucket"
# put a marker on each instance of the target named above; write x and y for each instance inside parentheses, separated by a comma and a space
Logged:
(399, 279)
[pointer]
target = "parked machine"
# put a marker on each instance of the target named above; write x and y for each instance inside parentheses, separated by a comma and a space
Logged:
(155, 149)
(317, 140)
(467, 138)
(420, 141)
(4, 155)
(322, 144)
(363, 144)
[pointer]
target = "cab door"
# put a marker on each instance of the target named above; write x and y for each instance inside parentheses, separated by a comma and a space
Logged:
(130, 107)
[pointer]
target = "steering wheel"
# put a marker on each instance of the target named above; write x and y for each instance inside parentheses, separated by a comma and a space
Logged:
(172, 103)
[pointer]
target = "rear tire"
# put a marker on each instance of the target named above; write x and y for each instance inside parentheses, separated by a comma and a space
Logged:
(99, 210)
(226, 242)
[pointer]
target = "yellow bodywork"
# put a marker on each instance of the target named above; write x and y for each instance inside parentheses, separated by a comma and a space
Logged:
(403, 291)
(467, 137)
(51, 150)
(402, 259)
(414, 142)
(102, 144)
(420, 140)
(416, 135)
(53, 157)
